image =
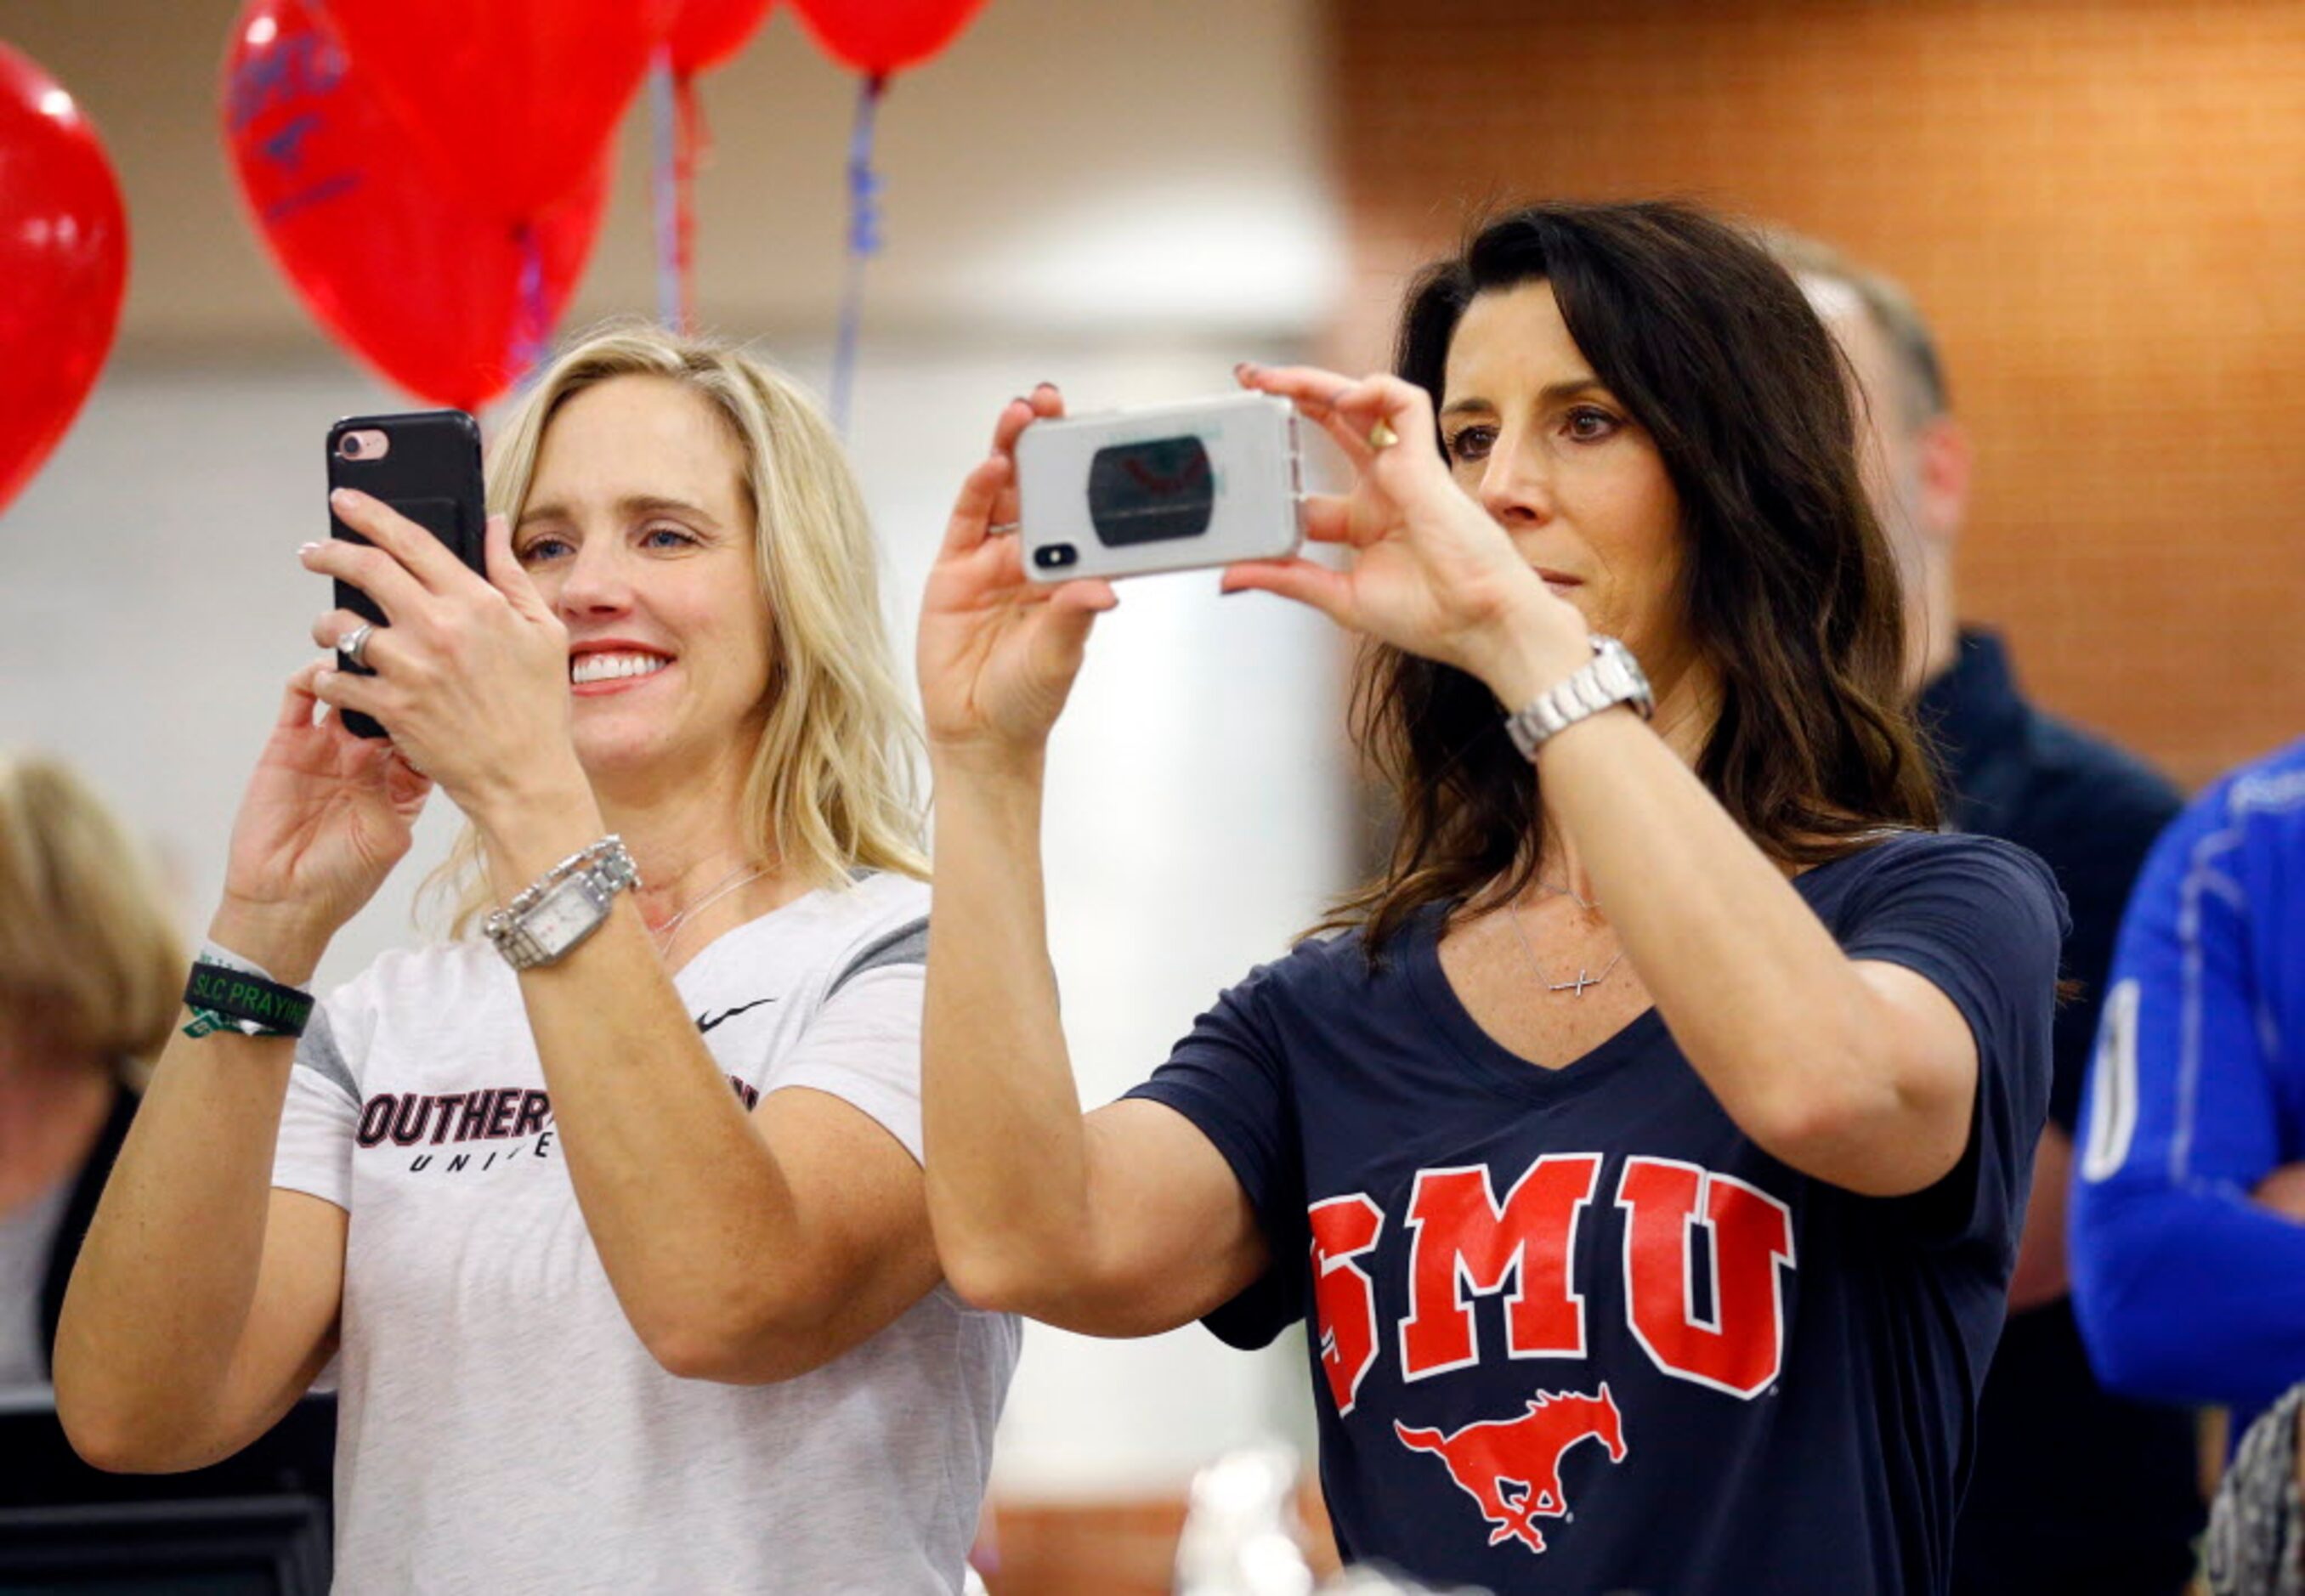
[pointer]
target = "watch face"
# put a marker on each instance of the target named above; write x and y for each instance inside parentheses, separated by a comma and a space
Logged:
(561, 916)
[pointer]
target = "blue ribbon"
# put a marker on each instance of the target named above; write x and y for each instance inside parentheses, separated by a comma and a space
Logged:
(531, 335)
(664, 179)
(863, 242)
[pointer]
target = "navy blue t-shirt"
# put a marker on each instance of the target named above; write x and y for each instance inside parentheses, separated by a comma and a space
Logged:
(1571, 1331)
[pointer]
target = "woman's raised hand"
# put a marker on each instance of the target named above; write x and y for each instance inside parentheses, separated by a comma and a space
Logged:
(1431, 571)
(326, 817)
(471, 676)
(998, 652)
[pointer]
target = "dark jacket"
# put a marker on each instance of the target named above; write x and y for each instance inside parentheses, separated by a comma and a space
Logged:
(37, 1467)
(2073, 1488)
(71, 1230)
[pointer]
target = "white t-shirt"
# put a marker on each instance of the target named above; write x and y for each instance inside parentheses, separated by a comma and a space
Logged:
(501, 1426)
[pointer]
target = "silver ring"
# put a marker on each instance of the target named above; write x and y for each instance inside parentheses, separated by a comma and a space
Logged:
(353, 646)
(1002, 528)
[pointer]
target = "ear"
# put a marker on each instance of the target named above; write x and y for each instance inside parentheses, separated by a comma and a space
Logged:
(1945, 460)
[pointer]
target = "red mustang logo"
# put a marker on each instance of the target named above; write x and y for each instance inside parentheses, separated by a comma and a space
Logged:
(1512, 1467)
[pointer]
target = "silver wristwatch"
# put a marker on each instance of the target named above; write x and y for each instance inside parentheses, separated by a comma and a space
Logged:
(1612, 677)
(563, 906)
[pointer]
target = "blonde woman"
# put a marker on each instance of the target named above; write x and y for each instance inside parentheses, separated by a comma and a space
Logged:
(91, 965)
(612, 1217)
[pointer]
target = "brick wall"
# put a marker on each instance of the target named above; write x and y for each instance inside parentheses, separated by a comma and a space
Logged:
(2100, 203)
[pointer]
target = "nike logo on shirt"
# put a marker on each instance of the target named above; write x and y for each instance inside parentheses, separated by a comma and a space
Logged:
(707, 1021)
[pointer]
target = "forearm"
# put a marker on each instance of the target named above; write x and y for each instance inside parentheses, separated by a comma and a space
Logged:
(694, 1222)
(2190, 1294)
(696, 1226)
(161, 1292)
(2041, 1277)
(1778, 1022)
(1006, 1171)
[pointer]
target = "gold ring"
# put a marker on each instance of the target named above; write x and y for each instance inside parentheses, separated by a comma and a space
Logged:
(1382, 436)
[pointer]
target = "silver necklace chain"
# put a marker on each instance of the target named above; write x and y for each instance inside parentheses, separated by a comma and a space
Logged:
(720, 889)
(1591, 906)
(1583, 978)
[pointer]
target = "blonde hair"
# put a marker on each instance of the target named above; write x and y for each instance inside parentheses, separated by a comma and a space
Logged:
(87, 946)
(831, 790)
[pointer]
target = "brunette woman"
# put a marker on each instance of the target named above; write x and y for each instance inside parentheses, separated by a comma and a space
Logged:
(1646, 1149)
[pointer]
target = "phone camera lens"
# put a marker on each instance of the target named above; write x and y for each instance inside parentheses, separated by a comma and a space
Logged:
(1055, 557)
(349, 446)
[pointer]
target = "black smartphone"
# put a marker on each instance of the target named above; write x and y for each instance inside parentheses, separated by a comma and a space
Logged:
(425, 464)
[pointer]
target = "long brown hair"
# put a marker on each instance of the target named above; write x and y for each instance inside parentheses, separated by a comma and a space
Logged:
(1789, 589)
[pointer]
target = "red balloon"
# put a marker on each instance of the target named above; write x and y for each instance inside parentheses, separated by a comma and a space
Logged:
(450, 304)
(510, 103)
(63, 263)
(880, 36)
(707, 32)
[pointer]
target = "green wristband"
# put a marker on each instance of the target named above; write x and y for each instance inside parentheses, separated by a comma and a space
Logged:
(221, 998)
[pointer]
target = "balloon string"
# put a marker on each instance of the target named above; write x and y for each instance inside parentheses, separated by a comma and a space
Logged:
(664, 180)
(530, 333)
(694, 145)
(863, 242)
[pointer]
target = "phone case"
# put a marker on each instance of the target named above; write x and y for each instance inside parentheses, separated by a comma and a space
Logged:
(429, 471)
(1164, 488)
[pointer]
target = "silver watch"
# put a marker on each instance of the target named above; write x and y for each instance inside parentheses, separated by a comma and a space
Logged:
(1611, 677)
(563, 906)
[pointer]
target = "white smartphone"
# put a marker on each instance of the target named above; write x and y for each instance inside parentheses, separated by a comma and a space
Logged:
(1167, 487)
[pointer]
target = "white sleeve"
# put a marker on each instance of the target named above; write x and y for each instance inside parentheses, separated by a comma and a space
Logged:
(864, 1047)
(321, 1117)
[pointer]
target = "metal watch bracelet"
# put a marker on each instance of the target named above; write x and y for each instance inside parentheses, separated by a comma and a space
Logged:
(1612, 676)
(563, 906)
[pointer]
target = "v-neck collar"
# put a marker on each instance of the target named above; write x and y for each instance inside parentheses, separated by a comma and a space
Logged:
(1497, 1066)
(1489, 1060)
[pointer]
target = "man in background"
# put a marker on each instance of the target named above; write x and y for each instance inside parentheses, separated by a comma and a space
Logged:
(2073, 1488)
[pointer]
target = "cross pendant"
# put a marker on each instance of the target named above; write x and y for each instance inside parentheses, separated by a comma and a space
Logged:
(1583, 978)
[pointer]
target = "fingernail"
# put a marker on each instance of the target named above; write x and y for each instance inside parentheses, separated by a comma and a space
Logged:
(1039, 385)
(341, 495)
(1243, 369)
(306, 547)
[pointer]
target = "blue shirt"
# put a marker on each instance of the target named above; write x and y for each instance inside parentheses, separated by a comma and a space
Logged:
(2185, 1288)
(1571, 1331)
